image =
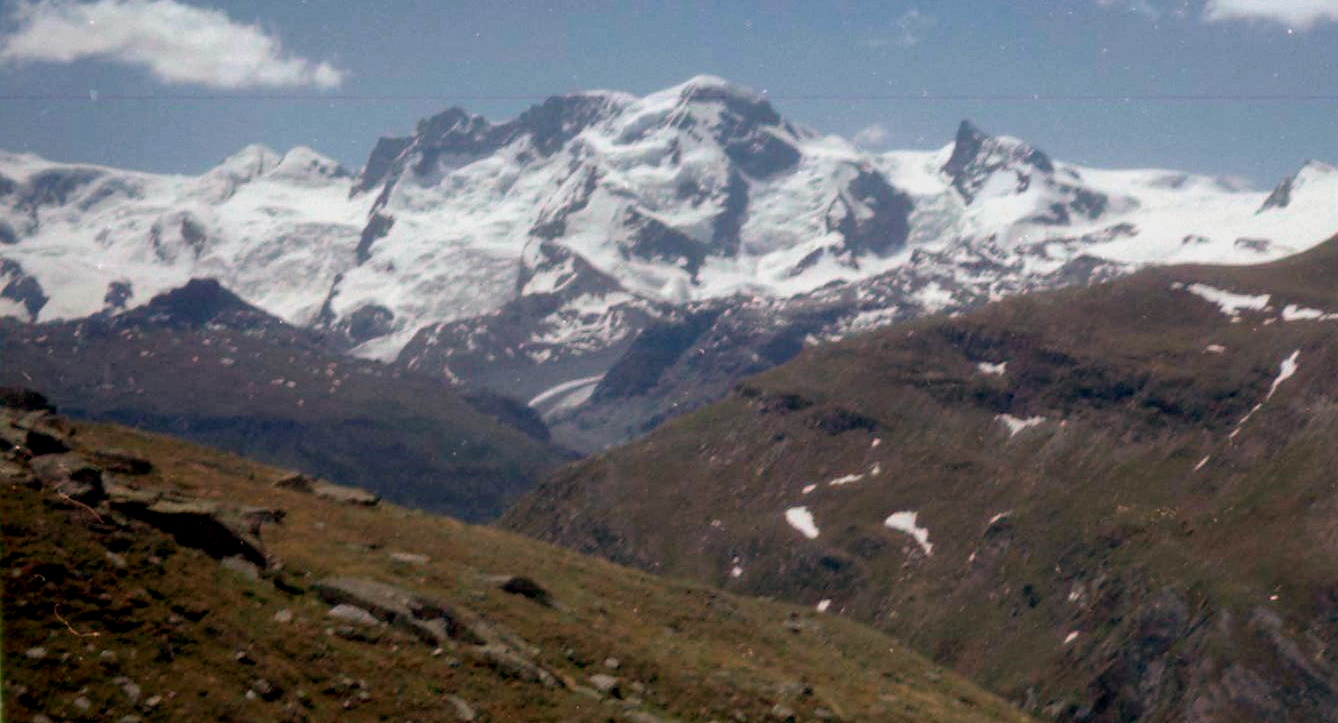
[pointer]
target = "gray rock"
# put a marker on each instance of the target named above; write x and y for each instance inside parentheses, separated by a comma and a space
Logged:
(409, 558)
(432, 621)
(463, 710)
(243, 567)
(35, 653)
(284, 616)
(784, 713)
(606, 684)
(353, 614)
(266, 690)
(612, 663)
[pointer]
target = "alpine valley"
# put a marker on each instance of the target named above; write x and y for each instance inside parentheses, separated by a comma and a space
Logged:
(612, 261)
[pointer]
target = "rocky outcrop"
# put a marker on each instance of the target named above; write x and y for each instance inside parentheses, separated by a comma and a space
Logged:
(439, 623)
(327, 490)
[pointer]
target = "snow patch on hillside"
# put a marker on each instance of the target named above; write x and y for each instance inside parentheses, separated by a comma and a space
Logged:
(905, 521)
(802, 520)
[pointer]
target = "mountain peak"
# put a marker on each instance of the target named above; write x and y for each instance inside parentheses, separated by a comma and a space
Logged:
(976, 155)
(251, 161)
(1311, 171)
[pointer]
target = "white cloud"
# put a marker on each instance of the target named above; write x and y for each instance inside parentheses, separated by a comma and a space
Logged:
(176, 42)
(871, 136)
(912, 27)
(1297, 14)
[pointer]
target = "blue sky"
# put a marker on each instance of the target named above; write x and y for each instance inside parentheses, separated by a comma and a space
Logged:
(1232, 87)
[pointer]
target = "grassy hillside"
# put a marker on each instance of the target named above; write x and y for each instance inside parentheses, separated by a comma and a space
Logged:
(1156, 541)
(148, 579)
(201, 364)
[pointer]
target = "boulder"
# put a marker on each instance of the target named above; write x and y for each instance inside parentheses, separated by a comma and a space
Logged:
(606, 684)
(220, 531)
(527, 588)
(70, 475)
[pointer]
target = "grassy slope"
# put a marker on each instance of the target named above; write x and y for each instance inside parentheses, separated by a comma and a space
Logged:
(1195, 595)
(175, 623)
(409, 437)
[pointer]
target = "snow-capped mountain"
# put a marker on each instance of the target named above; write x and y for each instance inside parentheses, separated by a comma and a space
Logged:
(529, 255)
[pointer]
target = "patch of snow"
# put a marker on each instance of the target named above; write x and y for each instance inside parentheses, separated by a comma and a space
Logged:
(1287, 370)
(998, 517)
(905, 522)
(1215, 349)
(823, 605)
(874, 444)
(808, 489)
(1231, 304)
(993, 369)
(1203, 462)
(802, 520)
(1017, 424)
(1071, 637)
(848, 479)
(736, 572)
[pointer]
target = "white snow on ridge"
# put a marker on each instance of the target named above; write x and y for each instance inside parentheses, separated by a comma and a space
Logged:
(905, 522)
(802, 520)
(1017, 424)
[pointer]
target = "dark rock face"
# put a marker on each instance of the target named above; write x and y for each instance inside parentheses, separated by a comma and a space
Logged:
(654, 241)
(887, 229)
(199, 302)
(1281, 197)
(377, 227)
(368, 322)
(976, 156)
(118, 296)
(654, 351)
(8, 236)
(54, 187)
(22, 288)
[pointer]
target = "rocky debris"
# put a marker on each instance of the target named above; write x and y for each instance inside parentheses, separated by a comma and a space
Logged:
(437, 623)
(782, 712)
(70, 475)
(342, 494)
(511, 664)
(121, 461)
(527, 588)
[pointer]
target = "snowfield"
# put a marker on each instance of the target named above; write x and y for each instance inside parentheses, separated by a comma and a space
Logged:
(604, 210)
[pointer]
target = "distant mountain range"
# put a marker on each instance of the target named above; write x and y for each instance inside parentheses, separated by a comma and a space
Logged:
(613, 259)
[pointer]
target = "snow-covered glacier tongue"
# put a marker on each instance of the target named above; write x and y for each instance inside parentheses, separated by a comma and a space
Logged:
(654, 248)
